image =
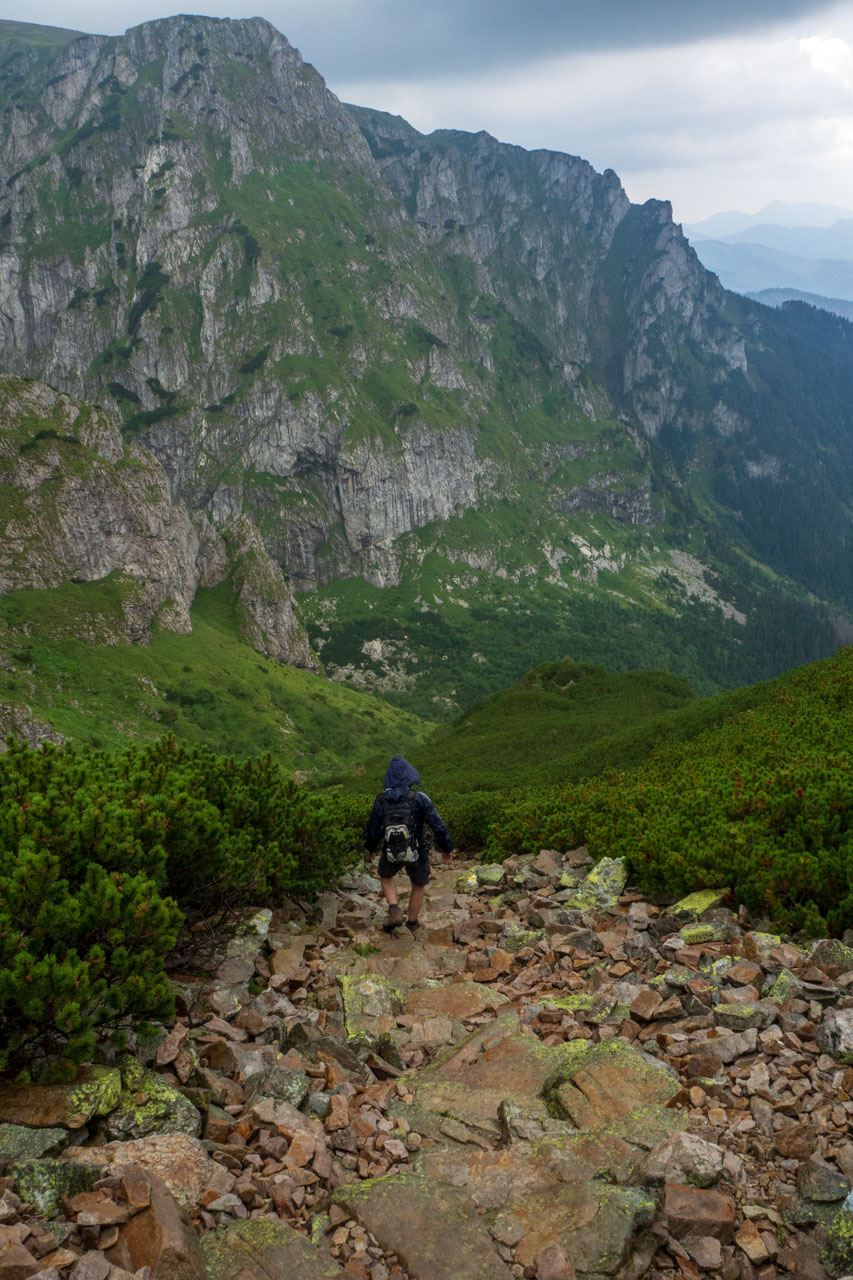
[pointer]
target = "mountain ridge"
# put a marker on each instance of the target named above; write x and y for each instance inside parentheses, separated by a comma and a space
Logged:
(409, 361)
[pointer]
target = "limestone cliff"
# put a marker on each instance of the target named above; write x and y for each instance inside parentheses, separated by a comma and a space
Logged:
(77, 504)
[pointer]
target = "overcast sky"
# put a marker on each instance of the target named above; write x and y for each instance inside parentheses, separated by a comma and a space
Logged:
(716, 105)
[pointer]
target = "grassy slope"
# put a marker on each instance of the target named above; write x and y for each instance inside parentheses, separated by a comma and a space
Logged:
(537, 732)
(206, 687)
(36, 35)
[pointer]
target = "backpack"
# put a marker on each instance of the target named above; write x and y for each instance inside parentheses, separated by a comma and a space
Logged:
(399, 843)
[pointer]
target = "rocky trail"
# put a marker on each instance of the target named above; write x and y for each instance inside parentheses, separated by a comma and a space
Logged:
(552, 1078)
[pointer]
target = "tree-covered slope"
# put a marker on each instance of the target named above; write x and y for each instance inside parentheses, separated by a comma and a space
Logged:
(478, 407)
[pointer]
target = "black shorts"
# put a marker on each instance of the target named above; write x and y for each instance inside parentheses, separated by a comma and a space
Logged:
(418, 872)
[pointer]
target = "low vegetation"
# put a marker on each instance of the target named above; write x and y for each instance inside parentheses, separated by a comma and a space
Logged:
(104, 856)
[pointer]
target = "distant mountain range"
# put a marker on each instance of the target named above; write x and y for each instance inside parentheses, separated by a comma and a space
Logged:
(776, 298)
(804, 248)
(779, 213)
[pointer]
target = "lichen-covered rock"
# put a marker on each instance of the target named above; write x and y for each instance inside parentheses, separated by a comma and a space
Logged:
(467, 882)
(18, 1142)
(695, 934)
(741, 1017)
(44, 1183)
(149, 1105)
(601, 887)
(515, 936)
(490, 874)
(371, 1004)
(265, 1248)
(837, 1256)
(696, 904)
(833, 957)
(95, 1091)
(281, 1084)
(440, 1236)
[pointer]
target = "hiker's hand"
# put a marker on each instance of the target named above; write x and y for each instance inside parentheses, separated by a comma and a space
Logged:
(369, 854)
(447, 857)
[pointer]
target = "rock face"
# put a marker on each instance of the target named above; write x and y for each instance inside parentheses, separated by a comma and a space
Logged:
(80, 505)
(338, 337)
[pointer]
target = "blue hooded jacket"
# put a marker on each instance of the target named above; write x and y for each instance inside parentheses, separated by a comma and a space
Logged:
(400, 777)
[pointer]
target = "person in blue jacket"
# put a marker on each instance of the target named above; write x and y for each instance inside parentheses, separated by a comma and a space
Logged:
(400, 807)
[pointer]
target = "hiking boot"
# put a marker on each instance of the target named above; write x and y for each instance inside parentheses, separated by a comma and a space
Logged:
(414, 925)
(395, 919)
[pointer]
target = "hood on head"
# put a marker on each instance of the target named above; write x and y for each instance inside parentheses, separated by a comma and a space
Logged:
(399, 777)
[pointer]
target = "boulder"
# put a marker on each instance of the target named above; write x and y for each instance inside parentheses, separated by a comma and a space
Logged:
(160, 1237)
(835, 1034)
(17, 1142)
(601, 887)
(149, 1105)
(95, 1091)
(821, 1181)
(280, 1084)
(45, 1183)
(434, 1229)
(683, 1157)
(833, 957)
(177, 1158)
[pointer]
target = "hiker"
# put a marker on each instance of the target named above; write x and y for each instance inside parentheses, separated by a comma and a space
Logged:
(396, 825)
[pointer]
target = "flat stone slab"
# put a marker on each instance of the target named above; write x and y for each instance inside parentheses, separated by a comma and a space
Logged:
(95, 1092)
(545, 1194)
(371, 1003)
(458, 1000)
(435, 1230)
(265, 1249)
(611, 1086)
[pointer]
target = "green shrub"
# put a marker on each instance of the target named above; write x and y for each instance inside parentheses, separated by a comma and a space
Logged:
(102, 858)
(762, 803)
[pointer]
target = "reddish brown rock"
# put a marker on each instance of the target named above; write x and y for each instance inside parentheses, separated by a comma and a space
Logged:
(17, 1263)
(338, 1117)
(691, 1212)
(552, 1264)
(646, 1004)
(160, 1237)
(796, 1142)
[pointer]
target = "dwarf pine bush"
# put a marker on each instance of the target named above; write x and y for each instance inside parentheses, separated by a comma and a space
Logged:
(102, 858)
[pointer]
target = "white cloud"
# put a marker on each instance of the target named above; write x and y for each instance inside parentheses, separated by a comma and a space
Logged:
(832, 55)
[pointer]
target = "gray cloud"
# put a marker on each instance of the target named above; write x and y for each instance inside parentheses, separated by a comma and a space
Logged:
(443, 37)
(384, 39)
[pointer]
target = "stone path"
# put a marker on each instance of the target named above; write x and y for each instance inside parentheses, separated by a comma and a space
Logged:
(554, 1078)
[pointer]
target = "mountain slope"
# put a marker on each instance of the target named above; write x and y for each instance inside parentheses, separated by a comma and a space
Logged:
(478, 407)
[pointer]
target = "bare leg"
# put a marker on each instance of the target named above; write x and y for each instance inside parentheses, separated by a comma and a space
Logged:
(389, 889)
(416, 900)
